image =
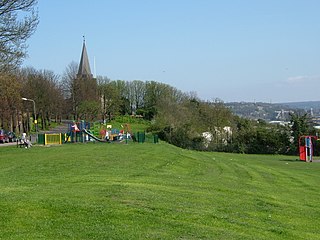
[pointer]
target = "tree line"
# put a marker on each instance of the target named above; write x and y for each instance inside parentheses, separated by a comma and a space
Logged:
(179, 118)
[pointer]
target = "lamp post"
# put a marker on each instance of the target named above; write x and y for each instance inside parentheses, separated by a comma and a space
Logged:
(34, 112)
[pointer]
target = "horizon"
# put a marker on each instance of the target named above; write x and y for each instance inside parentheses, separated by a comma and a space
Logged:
(315, 101)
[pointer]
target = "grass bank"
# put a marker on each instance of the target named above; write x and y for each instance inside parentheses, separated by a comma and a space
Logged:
(148, 191)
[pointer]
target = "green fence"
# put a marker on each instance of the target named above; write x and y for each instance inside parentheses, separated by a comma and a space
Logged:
(142, 137)
(41, 138)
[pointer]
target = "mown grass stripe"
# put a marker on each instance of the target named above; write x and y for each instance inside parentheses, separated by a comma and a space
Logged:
(147, 191)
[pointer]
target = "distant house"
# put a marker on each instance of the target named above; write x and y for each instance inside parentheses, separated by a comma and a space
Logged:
(219, 136)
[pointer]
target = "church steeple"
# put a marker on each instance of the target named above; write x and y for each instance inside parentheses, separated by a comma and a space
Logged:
(84, 66)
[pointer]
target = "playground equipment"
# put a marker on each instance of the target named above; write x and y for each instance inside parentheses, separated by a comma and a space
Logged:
(93, 136)
(306, 148)
(80, 132)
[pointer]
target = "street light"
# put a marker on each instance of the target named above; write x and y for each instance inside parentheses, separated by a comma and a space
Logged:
(34, 112)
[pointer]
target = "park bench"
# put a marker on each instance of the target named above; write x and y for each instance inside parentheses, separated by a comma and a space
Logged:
(21, 143)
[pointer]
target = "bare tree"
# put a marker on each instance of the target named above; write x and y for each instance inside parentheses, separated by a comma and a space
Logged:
(10, 100)
(68, 86)
(54, 101)
(44, 88)
(18, 21)
(110, 98)
(136, 90)
(68, 78)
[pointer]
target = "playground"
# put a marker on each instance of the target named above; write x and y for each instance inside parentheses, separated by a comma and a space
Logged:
(83, 132)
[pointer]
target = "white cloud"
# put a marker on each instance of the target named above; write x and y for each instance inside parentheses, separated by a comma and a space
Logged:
(302, 79)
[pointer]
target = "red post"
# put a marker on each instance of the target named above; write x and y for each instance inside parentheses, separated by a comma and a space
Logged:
(302, 152)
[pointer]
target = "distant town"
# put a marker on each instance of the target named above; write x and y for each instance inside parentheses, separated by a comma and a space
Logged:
(277, 113)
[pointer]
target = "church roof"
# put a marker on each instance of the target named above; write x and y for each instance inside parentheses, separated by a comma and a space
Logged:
(84, 66)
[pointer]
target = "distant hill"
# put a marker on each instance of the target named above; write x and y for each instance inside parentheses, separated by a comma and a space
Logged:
(271, 111)
(315, 105)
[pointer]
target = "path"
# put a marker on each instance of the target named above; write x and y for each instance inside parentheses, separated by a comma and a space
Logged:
(62, 128)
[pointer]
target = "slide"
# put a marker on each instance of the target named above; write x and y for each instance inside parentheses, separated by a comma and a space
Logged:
(92, 136)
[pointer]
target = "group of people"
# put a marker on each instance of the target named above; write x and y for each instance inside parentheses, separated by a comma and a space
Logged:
(108, 136)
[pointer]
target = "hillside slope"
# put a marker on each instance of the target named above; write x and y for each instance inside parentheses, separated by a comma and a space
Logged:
(154, 191)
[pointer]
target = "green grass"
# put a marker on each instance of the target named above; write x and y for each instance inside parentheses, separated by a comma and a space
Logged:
(148, 191)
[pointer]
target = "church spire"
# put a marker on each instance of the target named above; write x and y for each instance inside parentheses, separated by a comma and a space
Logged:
(84, 66)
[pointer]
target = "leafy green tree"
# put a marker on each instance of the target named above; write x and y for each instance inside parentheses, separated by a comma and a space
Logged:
(259, 137)
(243, 135)
(182, 119)
(88, 110)
(270, 140)
(300, 126)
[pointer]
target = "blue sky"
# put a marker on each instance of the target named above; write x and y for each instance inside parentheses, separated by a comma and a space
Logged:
(235, 50)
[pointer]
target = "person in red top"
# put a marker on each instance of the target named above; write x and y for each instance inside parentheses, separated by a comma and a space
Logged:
(75, 128)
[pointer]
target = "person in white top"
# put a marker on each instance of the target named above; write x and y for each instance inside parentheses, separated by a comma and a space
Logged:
(24, 140)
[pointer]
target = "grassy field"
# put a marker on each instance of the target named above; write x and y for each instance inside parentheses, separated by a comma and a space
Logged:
(149, 191)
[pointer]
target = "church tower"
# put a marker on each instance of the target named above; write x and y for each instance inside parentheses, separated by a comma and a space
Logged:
(84, 70)
(85, 89)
